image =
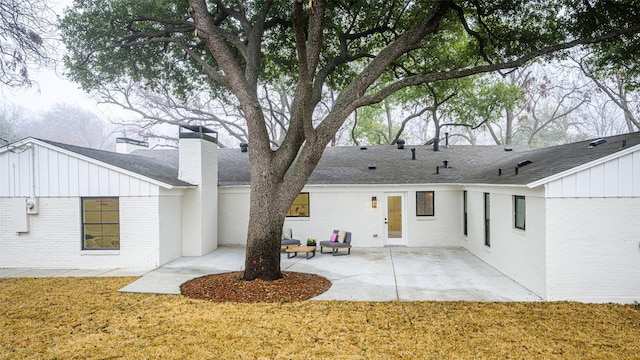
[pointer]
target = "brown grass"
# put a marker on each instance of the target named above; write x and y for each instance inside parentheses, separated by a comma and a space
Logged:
(85, 318)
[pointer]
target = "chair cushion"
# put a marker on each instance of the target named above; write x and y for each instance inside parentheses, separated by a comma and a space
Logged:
(334, 237)
(290, 242)
(333, 244)
(341, 235)
(287, 234)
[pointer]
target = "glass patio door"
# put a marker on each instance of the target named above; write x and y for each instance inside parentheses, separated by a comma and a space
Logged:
(394, 219)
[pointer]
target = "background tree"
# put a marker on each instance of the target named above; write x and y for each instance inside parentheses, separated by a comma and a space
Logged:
(619, 88)
(26, 41)
(11, 118)
(364, 51)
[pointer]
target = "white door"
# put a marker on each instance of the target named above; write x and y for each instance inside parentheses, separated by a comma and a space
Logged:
(394, 219)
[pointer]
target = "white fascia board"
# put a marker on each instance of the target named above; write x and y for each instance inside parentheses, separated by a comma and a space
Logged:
(16, 145)
(585, 166)
(103, 164)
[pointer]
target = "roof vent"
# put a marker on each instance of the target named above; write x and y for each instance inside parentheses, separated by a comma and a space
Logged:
(244, 147)
(508, 149)
(624, 143)
(372, 166)
(445, 164)
(363, 147)
(435, 144)
(597, 142)
(400, 143)
(413, 153)
(523, 163)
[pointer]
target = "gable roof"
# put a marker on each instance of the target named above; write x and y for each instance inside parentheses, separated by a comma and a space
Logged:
(547, 163)
(345, 165)
(154, 168)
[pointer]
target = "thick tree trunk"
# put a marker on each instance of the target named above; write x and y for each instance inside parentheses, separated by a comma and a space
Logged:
(262, 260)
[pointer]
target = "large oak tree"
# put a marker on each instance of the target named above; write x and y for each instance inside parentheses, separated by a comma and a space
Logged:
(362, 50)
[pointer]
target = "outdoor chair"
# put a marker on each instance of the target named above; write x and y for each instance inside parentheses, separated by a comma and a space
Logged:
(340, 239)
(287, 239)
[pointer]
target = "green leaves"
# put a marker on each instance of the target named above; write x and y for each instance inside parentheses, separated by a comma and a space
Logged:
(154, 42)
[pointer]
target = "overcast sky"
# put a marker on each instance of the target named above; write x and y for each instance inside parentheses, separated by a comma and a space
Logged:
(51, 88)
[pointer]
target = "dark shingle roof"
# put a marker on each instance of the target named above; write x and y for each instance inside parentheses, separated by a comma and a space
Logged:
(158, 167)
(466, 164)
(350, 164)
(552, 160)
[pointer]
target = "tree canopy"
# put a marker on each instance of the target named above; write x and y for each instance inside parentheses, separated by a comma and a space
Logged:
(364, 51)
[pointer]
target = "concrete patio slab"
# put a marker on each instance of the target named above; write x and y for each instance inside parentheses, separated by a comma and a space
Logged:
(368, 274)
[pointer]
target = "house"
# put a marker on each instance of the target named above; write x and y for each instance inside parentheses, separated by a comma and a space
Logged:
(562, 221)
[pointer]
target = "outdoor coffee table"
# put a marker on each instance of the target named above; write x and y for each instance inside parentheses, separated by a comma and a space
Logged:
(310, 250)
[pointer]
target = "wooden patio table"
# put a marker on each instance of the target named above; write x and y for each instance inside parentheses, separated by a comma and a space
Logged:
(310, 250)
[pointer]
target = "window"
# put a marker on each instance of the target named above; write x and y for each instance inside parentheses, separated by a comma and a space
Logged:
(487, 223)
(519, 207)
(300, 206)
(100, 224)
(424, 203)
(464, 213)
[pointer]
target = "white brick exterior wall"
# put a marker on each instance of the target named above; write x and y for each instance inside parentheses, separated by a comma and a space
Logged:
(519, 254)
(199, 165)
(54, 239)
(349, 208)
(593, 249)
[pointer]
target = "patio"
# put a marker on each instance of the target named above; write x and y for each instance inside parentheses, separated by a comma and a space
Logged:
(368, 274)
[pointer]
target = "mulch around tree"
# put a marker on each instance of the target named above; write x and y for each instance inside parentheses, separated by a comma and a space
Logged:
(230, 287)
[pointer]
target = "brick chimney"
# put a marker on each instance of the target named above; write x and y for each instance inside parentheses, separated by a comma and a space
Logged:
(198, 165)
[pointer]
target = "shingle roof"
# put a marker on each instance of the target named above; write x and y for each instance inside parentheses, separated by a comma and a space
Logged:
(350, 165)
(466, 164)
(552, 160)
(159, 167)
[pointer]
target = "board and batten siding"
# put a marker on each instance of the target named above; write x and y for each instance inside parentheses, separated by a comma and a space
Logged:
(150, 215)
(619, 177)
(593, 227)
(46, 172)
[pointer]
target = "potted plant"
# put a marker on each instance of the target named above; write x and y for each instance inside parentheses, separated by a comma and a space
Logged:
(311, 242)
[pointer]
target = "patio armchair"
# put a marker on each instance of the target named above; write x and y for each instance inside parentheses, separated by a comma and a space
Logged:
(340, 239)
(287, 239)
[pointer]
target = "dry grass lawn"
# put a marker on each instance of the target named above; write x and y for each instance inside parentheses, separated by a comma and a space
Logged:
(86, 318)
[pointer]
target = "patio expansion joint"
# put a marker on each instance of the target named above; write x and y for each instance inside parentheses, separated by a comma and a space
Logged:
(395, 278)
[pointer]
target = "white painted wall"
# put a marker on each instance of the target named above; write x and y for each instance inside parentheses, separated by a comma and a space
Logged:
(519, 254)
(593, 249)
(47, 172)
(170, 225)
(199, 166)
(619, 177)
(349, 208)
(54, 239)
